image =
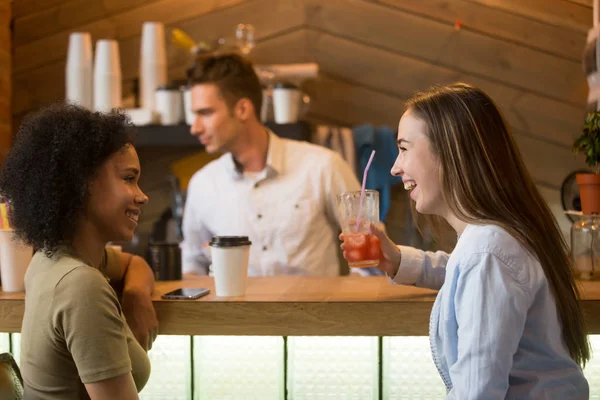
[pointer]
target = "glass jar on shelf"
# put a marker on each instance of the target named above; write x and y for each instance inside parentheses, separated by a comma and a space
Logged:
(585, 247)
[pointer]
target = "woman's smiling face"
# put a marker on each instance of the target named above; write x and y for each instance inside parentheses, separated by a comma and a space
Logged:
(418, 166)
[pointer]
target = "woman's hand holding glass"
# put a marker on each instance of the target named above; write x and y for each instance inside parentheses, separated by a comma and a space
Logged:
(389, 254)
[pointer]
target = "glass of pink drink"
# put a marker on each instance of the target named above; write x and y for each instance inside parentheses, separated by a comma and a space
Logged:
(362, 247)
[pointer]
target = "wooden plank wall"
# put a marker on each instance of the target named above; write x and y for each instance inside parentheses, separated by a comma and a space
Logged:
(5, 79)
(373, 55)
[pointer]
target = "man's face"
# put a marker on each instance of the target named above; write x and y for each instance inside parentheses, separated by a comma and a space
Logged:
(214, 124)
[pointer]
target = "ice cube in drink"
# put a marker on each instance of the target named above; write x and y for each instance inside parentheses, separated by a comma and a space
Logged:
(362, 250)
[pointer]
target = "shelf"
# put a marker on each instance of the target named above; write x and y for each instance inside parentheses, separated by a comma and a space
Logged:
(165, 135)
(179, 135)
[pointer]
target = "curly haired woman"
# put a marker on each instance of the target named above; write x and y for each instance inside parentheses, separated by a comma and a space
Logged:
(72, 181)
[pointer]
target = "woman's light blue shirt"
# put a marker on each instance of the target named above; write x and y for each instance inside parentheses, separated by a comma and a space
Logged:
(494, 327)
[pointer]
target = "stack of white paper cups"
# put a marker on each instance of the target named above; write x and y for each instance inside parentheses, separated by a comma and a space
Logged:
(107, 76)
(153, 62)
(78, 72)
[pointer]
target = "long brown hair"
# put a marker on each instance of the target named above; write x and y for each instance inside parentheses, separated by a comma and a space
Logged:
(484, 181)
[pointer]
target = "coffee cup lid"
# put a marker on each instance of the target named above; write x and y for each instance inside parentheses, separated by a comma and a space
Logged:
(285, 85)
(169, 86)
(230, 241)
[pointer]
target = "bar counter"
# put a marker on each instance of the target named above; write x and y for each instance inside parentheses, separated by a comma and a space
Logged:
(298, 306)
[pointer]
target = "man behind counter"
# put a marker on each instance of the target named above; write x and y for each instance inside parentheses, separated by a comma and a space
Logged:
(280, 193)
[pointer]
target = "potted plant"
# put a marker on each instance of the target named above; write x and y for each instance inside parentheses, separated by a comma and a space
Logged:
(589, 183)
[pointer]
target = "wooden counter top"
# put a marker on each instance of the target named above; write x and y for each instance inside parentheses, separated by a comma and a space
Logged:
(298, 306)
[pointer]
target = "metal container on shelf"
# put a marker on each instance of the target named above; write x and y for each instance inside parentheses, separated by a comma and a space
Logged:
(165, 260)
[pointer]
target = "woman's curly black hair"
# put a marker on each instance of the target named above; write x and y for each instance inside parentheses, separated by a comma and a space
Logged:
(56, 152)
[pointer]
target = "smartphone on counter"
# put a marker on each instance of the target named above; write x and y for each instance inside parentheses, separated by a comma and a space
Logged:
(186, 294)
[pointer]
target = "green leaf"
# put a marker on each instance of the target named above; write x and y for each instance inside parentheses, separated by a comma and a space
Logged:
(588, 143)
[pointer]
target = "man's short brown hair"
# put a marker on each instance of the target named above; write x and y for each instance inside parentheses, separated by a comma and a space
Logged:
(233, 74)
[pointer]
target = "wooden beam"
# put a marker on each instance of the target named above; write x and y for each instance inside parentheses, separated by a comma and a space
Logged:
(439, 43)
(22, 8)
(120, 26)
(548, 163)
(288, 48)
(43, 86)
(558, 13)
(400, 76)
(585, 3)
(499, 24)
(67, 16)
(352, 104)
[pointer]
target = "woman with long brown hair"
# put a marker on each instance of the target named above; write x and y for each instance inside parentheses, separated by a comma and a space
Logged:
(506, 323)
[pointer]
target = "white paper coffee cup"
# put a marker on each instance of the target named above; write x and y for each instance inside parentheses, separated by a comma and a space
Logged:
(286, 103)
(14, 260)
(230, 257)
(168, 101)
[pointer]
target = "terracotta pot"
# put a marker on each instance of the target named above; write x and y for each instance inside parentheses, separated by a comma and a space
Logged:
(589, 191)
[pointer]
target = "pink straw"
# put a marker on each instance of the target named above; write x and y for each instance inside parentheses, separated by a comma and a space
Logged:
(362, 190)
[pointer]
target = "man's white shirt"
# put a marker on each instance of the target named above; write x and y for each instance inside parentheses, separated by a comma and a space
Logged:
(289, 210)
